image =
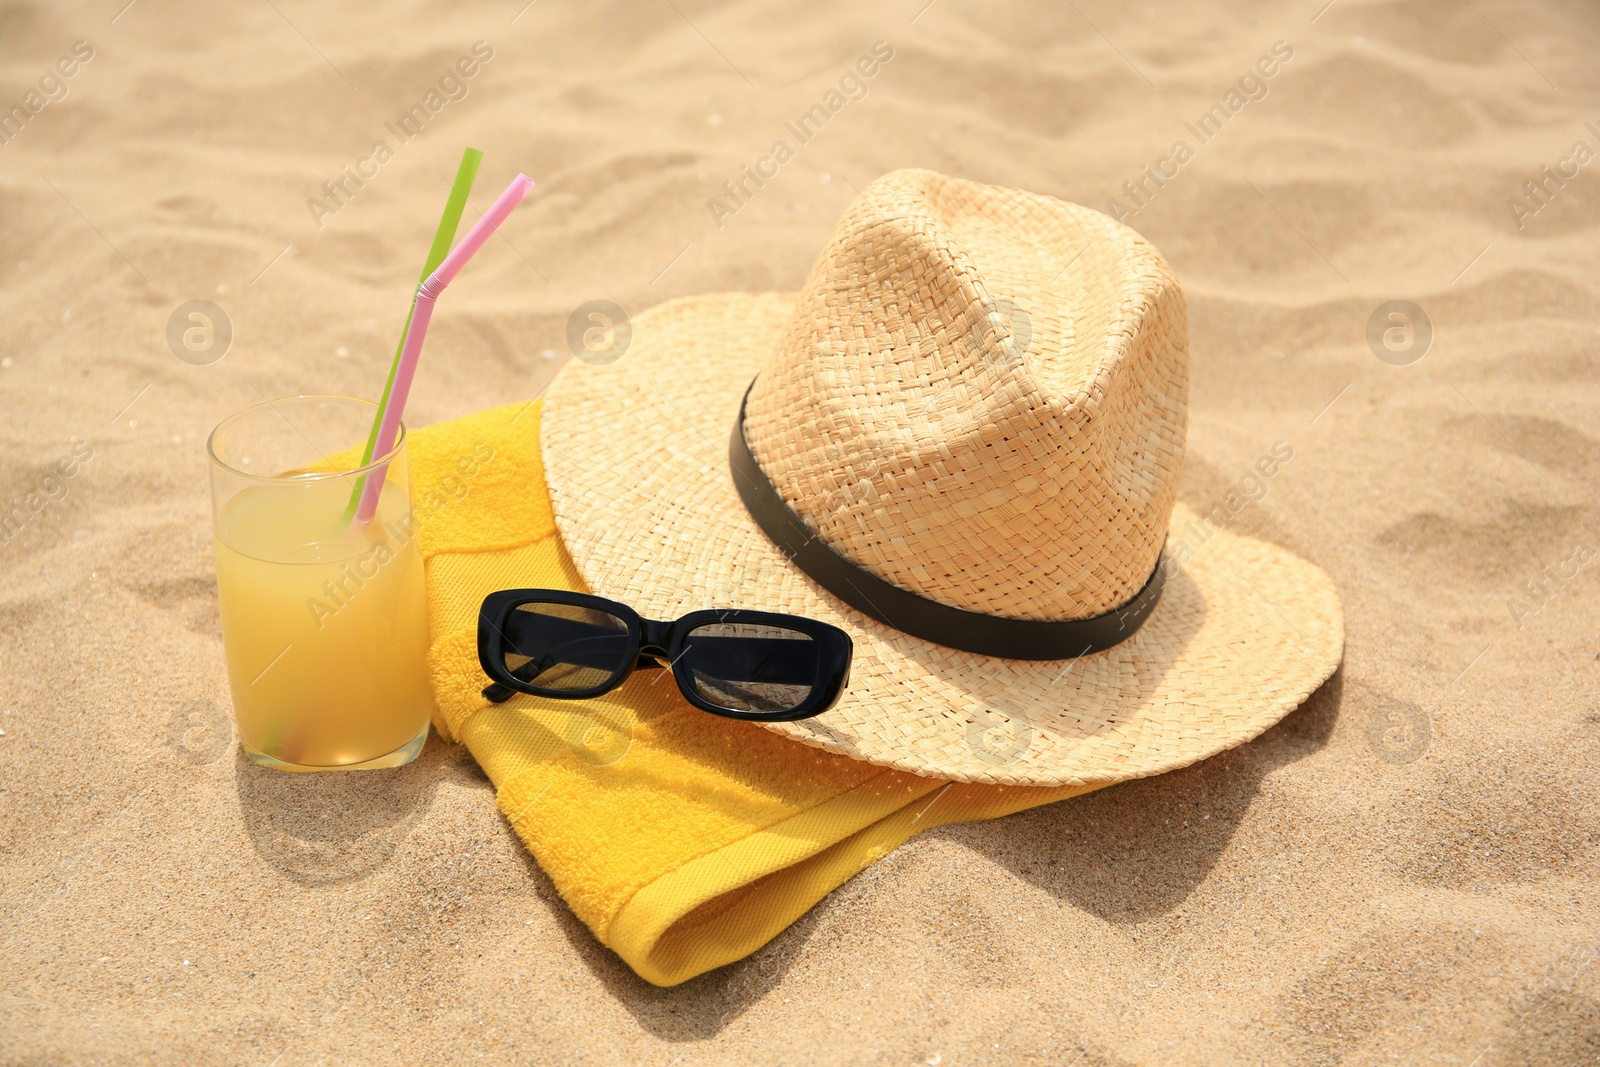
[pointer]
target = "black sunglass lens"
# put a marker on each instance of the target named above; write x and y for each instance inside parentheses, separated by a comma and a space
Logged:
(751, 667)
(564, 647)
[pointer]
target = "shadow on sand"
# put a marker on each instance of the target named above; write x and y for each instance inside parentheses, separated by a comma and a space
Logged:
(1127, 854)
(1135, 851)
(328, 828)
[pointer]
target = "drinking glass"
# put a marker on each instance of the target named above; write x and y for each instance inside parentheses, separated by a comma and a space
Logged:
(324, 618)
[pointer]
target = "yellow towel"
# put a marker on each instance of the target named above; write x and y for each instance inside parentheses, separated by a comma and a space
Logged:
(685, 841)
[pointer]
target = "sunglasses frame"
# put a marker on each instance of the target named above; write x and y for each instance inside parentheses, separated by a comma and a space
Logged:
(648, 640)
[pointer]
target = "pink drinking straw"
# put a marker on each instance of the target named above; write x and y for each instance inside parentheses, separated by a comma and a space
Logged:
(427, 293)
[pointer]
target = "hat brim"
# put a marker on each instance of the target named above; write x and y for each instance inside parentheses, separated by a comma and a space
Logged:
(636, 457)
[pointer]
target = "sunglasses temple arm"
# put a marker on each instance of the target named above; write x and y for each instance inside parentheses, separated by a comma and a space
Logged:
(499, 692)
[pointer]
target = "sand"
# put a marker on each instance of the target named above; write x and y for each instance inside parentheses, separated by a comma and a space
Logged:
(1403, 871)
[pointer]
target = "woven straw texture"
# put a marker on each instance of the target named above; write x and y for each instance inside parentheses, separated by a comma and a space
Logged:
(979, 425)
(979, 395)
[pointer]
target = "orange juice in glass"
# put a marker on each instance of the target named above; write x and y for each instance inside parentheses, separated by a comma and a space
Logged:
(324, 617)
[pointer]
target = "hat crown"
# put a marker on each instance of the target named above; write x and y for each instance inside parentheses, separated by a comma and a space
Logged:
(982, 398)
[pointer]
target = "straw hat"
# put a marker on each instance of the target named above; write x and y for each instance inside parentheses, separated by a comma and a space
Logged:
(970, 423)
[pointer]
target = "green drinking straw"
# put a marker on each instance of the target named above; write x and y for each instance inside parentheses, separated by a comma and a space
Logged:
(443, 238)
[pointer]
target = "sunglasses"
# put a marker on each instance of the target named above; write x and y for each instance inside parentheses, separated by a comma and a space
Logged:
(753, 665)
